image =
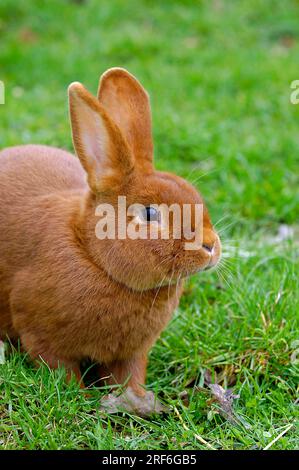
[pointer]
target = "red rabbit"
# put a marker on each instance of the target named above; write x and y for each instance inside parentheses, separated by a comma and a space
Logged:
(67, 294)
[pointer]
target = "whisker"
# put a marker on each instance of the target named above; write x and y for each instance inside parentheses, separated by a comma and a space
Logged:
(227, 226)
(223, 278)
(220, 220)
(177, 284)
(169, 285)
(156, 295)
(198, 167)
(204, 174)
(162, 262)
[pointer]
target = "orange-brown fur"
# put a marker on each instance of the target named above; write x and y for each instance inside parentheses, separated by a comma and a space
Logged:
(63, 292)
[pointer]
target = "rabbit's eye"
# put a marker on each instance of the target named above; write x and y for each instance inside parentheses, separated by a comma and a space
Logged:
(150, 214)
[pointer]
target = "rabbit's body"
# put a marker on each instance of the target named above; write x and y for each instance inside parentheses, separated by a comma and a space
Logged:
(32, 173)
(63, 305)
(67, 292)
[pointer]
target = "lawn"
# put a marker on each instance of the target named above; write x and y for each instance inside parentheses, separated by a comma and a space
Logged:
(219, 75)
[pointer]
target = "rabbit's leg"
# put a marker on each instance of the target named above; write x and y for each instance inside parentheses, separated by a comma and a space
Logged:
(38, 353)
(134, 399)
(129, 372)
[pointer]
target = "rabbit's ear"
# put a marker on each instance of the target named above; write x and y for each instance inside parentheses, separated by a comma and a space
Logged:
(128, 104)
(99, 144)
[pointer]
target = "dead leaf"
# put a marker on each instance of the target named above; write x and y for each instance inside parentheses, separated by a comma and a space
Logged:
(288, 40)
(26, 35)
(224, 399)
(184, 397)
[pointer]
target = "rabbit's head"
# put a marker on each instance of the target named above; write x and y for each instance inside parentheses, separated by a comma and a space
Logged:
(145, 228)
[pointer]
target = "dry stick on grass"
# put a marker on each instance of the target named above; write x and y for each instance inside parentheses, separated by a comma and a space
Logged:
(278, 437)
(197, 436)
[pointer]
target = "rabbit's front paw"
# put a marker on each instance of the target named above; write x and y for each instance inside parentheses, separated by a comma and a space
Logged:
(128, 401)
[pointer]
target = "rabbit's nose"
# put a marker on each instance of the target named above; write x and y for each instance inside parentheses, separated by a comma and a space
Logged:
(208, 247)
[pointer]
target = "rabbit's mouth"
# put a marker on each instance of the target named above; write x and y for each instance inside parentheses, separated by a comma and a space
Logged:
(188, 263)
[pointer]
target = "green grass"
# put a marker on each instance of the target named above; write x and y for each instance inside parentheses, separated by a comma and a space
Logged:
(219, 75)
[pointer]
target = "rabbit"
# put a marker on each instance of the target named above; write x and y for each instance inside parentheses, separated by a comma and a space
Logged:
(66, 294)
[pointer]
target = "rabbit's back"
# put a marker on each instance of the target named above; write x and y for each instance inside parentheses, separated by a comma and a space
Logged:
(33, 170)
(30, 175)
